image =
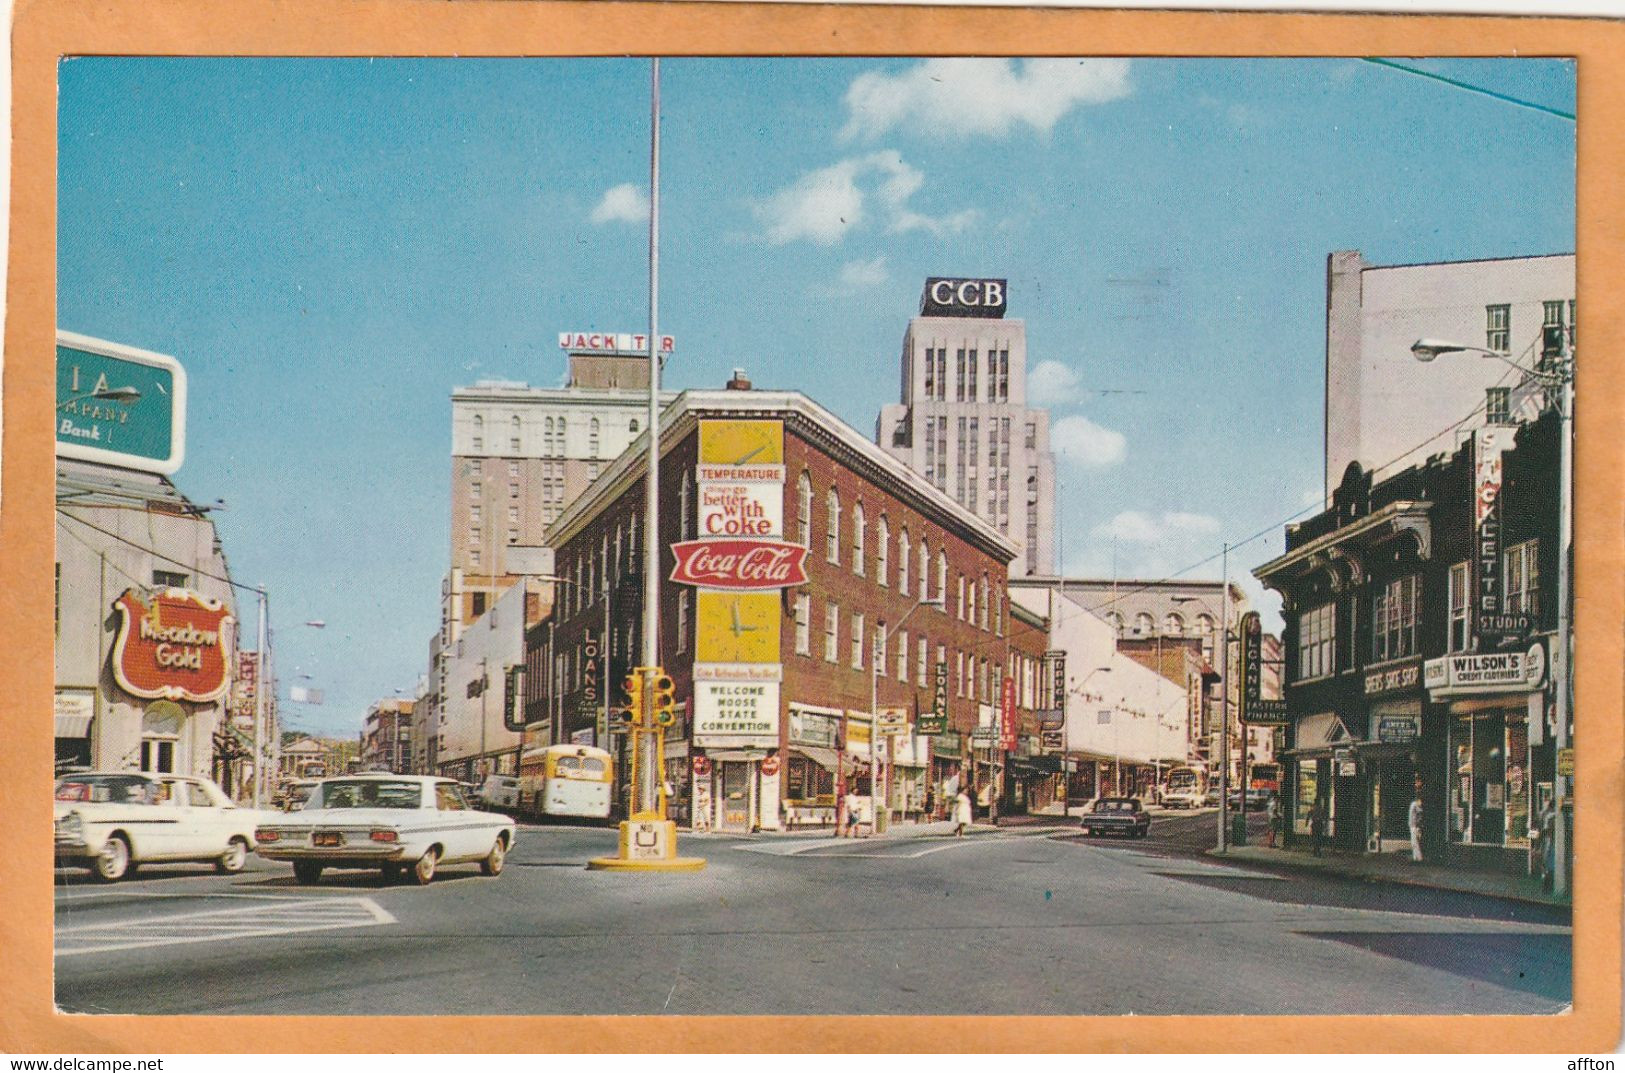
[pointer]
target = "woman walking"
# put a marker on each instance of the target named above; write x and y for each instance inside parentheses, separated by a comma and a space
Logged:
(962, 816)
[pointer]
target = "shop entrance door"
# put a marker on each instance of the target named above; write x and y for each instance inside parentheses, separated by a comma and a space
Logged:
(735, 795)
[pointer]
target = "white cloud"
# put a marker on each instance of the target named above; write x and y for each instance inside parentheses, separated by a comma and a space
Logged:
(1085, 444)
(1138, 527)
(1053, 383)
(965, 97)
(625, 203)
(871, 273)
(823, 205)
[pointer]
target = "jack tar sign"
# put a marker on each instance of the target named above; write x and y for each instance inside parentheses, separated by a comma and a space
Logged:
(173, 647)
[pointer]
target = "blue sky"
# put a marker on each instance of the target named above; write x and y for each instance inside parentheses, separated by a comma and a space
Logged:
(329, 246)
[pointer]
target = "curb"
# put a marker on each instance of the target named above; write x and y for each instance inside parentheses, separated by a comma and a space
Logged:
(1393, 880)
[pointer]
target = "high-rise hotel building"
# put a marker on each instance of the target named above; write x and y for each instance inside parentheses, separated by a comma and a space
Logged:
(963, 420)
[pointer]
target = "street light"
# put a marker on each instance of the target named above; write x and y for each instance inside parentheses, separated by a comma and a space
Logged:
(878, 822)
(1560, 375)
(1224, 707)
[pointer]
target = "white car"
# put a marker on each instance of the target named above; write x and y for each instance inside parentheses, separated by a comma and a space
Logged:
(113, 821)
(389, 822)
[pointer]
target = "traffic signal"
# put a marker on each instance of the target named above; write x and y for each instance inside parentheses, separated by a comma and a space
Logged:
(665, 699)
(633, 685)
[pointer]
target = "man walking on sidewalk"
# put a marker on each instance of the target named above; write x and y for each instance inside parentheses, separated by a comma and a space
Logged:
(1415, 820)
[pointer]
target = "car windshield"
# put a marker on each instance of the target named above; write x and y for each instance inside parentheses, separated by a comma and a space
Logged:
(118, 789)
(1114, 806)
(366, 793)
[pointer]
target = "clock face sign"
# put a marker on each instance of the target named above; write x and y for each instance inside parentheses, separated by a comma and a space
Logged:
(736, 627)
(742, 443)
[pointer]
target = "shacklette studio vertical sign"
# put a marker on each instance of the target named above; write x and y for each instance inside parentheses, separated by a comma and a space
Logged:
(1489, 443)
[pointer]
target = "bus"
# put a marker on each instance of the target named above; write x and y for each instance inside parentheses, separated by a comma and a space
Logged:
(1264, 777)
(566, 780)
(1186, 788)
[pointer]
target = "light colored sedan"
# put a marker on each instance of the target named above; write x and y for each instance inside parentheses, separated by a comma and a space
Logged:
(113, 821)
(393, 823)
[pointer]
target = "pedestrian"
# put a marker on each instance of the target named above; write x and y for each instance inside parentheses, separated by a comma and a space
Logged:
(1273, 814)
(1317, 825)
(1548, 843)
(1414, 819)
(962, 813)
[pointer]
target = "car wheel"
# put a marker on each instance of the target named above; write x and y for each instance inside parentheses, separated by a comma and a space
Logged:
(423, 871)
(307, 872)
(235, 857)
(492, 865)
(113, 862)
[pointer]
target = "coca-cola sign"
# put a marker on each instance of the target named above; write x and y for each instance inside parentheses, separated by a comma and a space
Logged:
(739, 564)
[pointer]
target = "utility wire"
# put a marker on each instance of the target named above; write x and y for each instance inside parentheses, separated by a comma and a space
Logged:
(1470, 88)
(64, 512)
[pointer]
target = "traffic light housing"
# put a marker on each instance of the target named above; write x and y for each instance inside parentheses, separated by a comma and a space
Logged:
(633, 686)
(665, 699)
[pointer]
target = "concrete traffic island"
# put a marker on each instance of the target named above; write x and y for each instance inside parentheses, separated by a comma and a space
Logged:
(647, 846)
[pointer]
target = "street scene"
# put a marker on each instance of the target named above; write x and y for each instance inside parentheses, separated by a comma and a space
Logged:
(696, 536)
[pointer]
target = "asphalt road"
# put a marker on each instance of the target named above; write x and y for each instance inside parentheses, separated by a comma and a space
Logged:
(1018, 921)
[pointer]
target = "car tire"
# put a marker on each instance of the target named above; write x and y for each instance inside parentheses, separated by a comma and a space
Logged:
(423, 870)
(307, 872)
(234, 859)
(492, 864)
(113, 862)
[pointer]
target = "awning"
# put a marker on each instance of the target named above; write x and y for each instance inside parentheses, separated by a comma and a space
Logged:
(1319, 732)
(824, 758)
(73, 726)
(1037, 765)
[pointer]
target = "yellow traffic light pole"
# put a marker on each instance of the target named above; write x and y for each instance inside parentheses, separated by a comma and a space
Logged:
(648, 839)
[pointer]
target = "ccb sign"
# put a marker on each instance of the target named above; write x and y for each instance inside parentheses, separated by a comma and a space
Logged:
(952, 297)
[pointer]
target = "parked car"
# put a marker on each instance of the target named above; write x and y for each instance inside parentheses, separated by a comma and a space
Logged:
(1258, 799)
(296, 793)
(114, 821)
(1117, 816)
(499, 792)
(393, 823)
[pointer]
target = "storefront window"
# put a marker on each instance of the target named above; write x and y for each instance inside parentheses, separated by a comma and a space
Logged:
(1489, 784)
(1308, 784)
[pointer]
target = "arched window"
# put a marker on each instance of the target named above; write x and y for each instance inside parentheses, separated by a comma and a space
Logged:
(925, 569)
(560, 447)
(902, 561)
(632, 426)
(804, 510)
(1173, 622)
(832, 537)
(1115, 621)
(860, 534)
(1144, 623)
(513, 434)
(970, 610)
(942, 575)
(882, 551)
(547, 436)
(479, 433)
(592, 437)
(1205, 627)
(986, 599)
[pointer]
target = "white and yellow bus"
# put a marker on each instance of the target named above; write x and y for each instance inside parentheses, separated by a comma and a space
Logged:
(566, 780)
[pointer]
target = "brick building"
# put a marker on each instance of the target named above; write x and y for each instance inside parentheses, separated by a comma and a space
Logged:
(386, 736)
(776, 684)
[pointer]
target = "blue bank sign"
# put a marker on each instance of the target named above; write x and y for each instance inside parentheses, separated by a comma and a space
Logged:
(119, 405)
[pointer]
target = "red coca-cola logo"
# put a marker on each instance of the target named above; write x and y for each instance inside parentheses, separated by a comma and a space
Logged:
(739, 564)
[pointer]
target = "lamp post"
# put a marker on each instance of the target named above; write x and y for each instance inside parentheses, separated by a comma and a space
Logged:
(1560, 376)
(111, 394)
(880, 821)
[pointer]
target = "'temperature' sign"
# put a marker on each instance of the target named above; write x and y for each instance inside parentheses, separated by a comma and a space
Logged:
(174, 647)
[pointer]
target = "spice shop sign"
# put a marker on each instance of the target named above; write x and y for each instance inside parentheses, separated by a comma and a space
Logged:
(1393, 678)
(173, 647)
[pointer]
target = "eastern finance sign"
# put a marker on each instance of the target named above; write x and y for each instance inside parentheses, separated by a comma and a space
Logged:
(119, 405)
(952, 296)
(174, 647)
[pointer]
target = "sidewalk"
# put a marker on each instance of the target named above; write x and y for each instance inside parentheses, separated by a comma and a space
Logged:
(907, 829)
(1396, 868)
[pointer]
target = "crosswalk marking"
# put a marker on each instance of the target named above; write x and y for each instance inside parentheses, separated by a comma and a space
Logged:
(287, 917)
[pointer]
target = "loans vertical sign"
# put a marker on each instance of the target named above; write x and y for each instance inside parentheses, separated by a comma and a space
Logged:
(936, 720)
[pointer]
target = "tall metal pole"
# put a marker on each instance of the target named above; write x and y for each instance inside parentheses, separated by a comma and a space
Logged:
(644, 798)
(1224, 712)
(874, 742)
(1564, 676)
(259, 708)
